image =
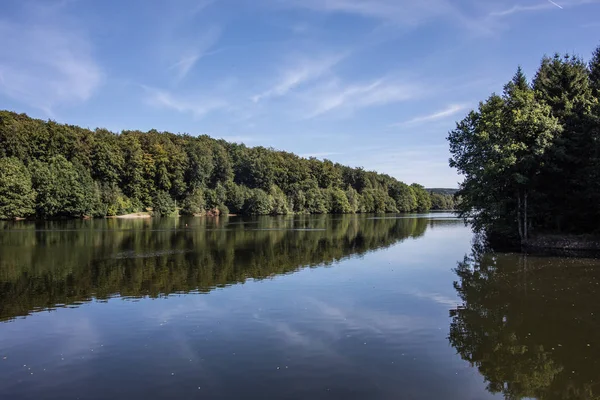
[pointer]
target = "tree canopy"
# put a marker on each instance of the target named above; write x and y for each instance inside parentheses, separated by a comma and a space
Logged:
(531, 156)
(51, 170)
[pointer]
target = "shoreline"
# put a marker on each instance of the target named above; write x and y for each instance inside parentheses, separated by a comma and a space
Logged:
(556, 242)
(131, 216)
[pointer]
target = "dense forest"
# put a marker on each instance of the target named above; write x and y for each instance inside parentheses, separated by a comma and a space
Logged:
(531, 156)
(50, 170)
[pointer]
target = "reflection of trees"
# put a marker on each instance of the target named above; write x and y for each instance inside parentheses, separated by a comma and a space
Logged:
(55, 263)
(530, 324)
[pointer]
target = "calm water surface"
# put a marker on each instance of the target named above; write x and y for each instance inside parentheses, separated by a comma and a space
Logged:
(319, 307)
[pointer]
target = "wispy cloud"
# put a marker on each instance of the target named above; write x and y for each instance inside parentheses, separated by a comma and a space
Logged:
(541, 6)
(46, 62)
(301, 72)
(197, 106)
(335, 95)
(436, 298)
(557, 5)
(519, 9)
(449, 111)
(405, 11)
(190, 56)
(399, 13)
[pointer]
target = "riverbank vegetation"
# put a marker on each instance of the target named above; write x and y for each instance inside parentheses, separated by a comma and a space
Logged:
(530, 157)
(50, 170)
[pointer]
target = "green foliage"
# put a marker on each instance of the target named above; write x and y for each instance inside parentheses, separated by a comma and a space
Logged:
(194, 203)
(404, 196)
(595, 74)
(353, 200)
(17, 198)
(81, 172)
(317, 201)
(63, 190)
(422, 197)
(163, 204)
(258, 203)
(113, 201)
(279, 202)
(530, 156)
(339, 203)
(442, 201)
(223, 210)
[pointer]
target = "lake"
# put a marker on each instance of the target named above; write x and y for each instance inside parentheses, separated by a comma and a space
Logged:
(302, 307)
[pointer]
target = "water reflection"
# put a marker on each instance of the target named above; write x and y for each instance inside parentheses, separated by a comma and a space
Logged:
(49, 264)
(530, 324)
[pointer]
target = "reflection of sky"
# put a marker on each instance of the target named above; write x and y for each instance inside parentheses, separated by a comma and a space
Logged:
(368, 327)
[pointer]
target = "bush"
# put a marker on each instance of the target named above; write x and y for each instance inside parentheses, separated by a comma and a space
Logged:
(316, 201)
(163, 204)
(279, 202)
(193, 203)
(223, 209)
(353, 199)
(259, 203)
(236, 197)
(113, 201)
(338, 202)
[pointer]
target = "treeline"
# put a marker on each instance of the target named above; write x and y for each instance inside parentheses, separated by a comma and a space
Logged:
(51, 170)
(42, 266)
(440, 201)
(531, 156)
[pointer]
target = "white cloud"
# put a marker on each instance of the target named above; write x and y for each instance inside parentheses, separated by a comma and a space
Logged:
(45, 63)
(352, 97)
(197, 106)
(405, 11)
(548, 5)
(437, 298)
(555, 4)
(302, 72)
(519, 9)
(190, 56)
(449, 111)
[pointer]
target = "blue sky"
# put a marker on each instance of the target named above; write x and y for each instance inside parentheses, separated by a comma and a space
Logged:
(372, 83)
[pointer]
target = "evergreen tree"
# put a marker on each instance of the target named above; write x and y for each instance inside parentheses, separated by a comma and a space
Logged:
(594, 67)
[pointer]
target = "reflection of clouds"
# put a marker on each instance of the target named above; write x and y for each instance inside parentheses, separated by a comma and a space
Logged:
(436, 298)
(291, 336)
(369, 320)
(77, 336)
(163, 311)
(314, 343)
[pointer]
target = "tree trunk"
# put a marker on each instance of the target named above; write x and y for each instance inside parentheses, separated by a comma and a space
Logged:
(525, 220)
(519, 221)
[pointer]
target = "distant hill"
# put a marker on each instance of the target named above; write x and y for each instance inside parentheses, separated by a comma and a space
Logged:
(446, 191)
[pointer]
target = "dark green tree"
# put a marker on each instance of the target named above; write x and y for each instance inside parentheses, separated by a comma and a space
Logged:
(17, 197)
(163, 204)
(194, 203)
